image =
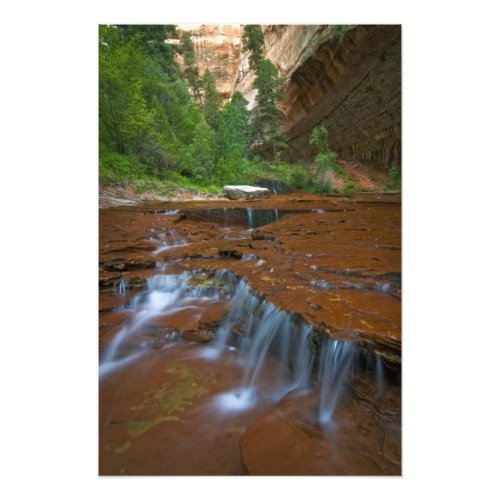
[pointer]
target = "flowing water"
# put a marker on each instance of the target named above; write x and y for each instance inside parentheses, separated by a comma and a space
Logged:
(244, 217)
(276, 187)
(199, 352)
(263, 331)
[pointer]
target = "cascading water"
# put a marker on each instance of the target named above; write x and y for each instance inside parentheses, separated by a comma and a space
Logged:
(243, 305)
(380, 376)
(121, 288)
(163, 291)
(173, 240)
(336, 360)
(269, 332)
(234, 218)
(166, 294)
(250, 218)
(275, 333)
(264, 331)
(260, 331)
(276, 187)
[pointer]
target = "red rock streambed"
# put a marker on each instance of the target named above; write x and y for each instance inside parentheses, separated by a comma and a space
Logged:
(257, 337)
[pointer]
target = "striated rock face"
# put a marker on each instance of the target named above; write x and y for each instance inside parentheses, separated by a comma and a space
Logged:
(285, 46)
(347, 78)
(218, 48)
(352, 86)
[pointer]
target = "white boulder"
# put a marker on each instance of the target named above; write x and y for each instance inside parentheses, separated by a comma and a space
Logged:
(246, 192)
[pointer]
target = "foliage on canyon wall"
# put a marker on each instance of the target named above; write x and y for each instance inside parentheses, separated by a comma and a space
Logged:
(151, 126)
(160, 119)
(267, 83)
(326, 159)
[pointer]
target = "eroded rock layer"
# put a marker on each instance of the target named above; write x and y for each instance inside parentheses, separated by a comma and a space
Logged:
(333, 262)
(351, 85)
(347, 78)
(336, 261)
(218, 49)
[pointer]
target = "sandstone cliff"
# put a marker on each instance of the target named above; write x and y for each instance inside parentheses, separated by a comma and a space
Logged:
(352, 85)
(347, 78)
(218, 48)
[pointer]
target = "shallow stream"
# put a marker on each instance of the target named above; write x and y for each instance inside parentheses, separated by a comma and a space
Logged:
(210, 361)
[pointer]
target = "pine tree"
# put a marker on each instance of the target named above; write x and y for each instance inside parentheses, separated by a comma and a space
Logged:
(253, 40)
(187, 49)
(137, 120)
(191, 72)
(211, 99)
(202, 152)
(264, 121)
(268, 113)
(237, 117)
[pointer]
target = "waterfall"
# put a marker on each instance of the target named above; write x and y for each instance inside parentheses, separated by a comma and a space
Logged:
(243, 305)
(379, 375)
(267, 328)
(173, 240)
(165, 294)
(303, 359)
(336, 360)
(265, 336)
(163, 291)
(277, 335)
(121, 289)
(265, 332)
(250, 218)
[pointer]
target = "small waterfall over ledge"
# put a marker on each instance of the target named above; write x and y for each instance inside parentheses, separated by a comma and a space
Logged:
(166, 294)
(121, 287)
(166, 242)
(336, 361)
(263, 335)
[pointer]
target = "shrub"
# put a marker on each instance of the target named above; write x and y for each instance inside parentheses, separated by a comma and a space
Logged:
(326, 159)
(394, 181)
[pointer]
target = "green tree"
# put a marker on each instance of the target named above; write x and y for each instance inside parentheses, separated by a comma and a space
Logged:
(241, 106)
(232, 140)
(193, 77)
(137, 120)
(234, 127)
(191, 72)
(202, 153)
(325, 160)
(152, 38)
(149, 123)
(211, 99)
(253, 40)
(121, 62)
(187, 49)
(146, 112)
(264, 121)
(268, 114)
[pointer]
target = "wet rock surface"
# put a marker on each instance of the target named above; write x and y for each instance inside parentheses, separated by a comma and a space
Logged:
(334, 262)
(287, 441)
